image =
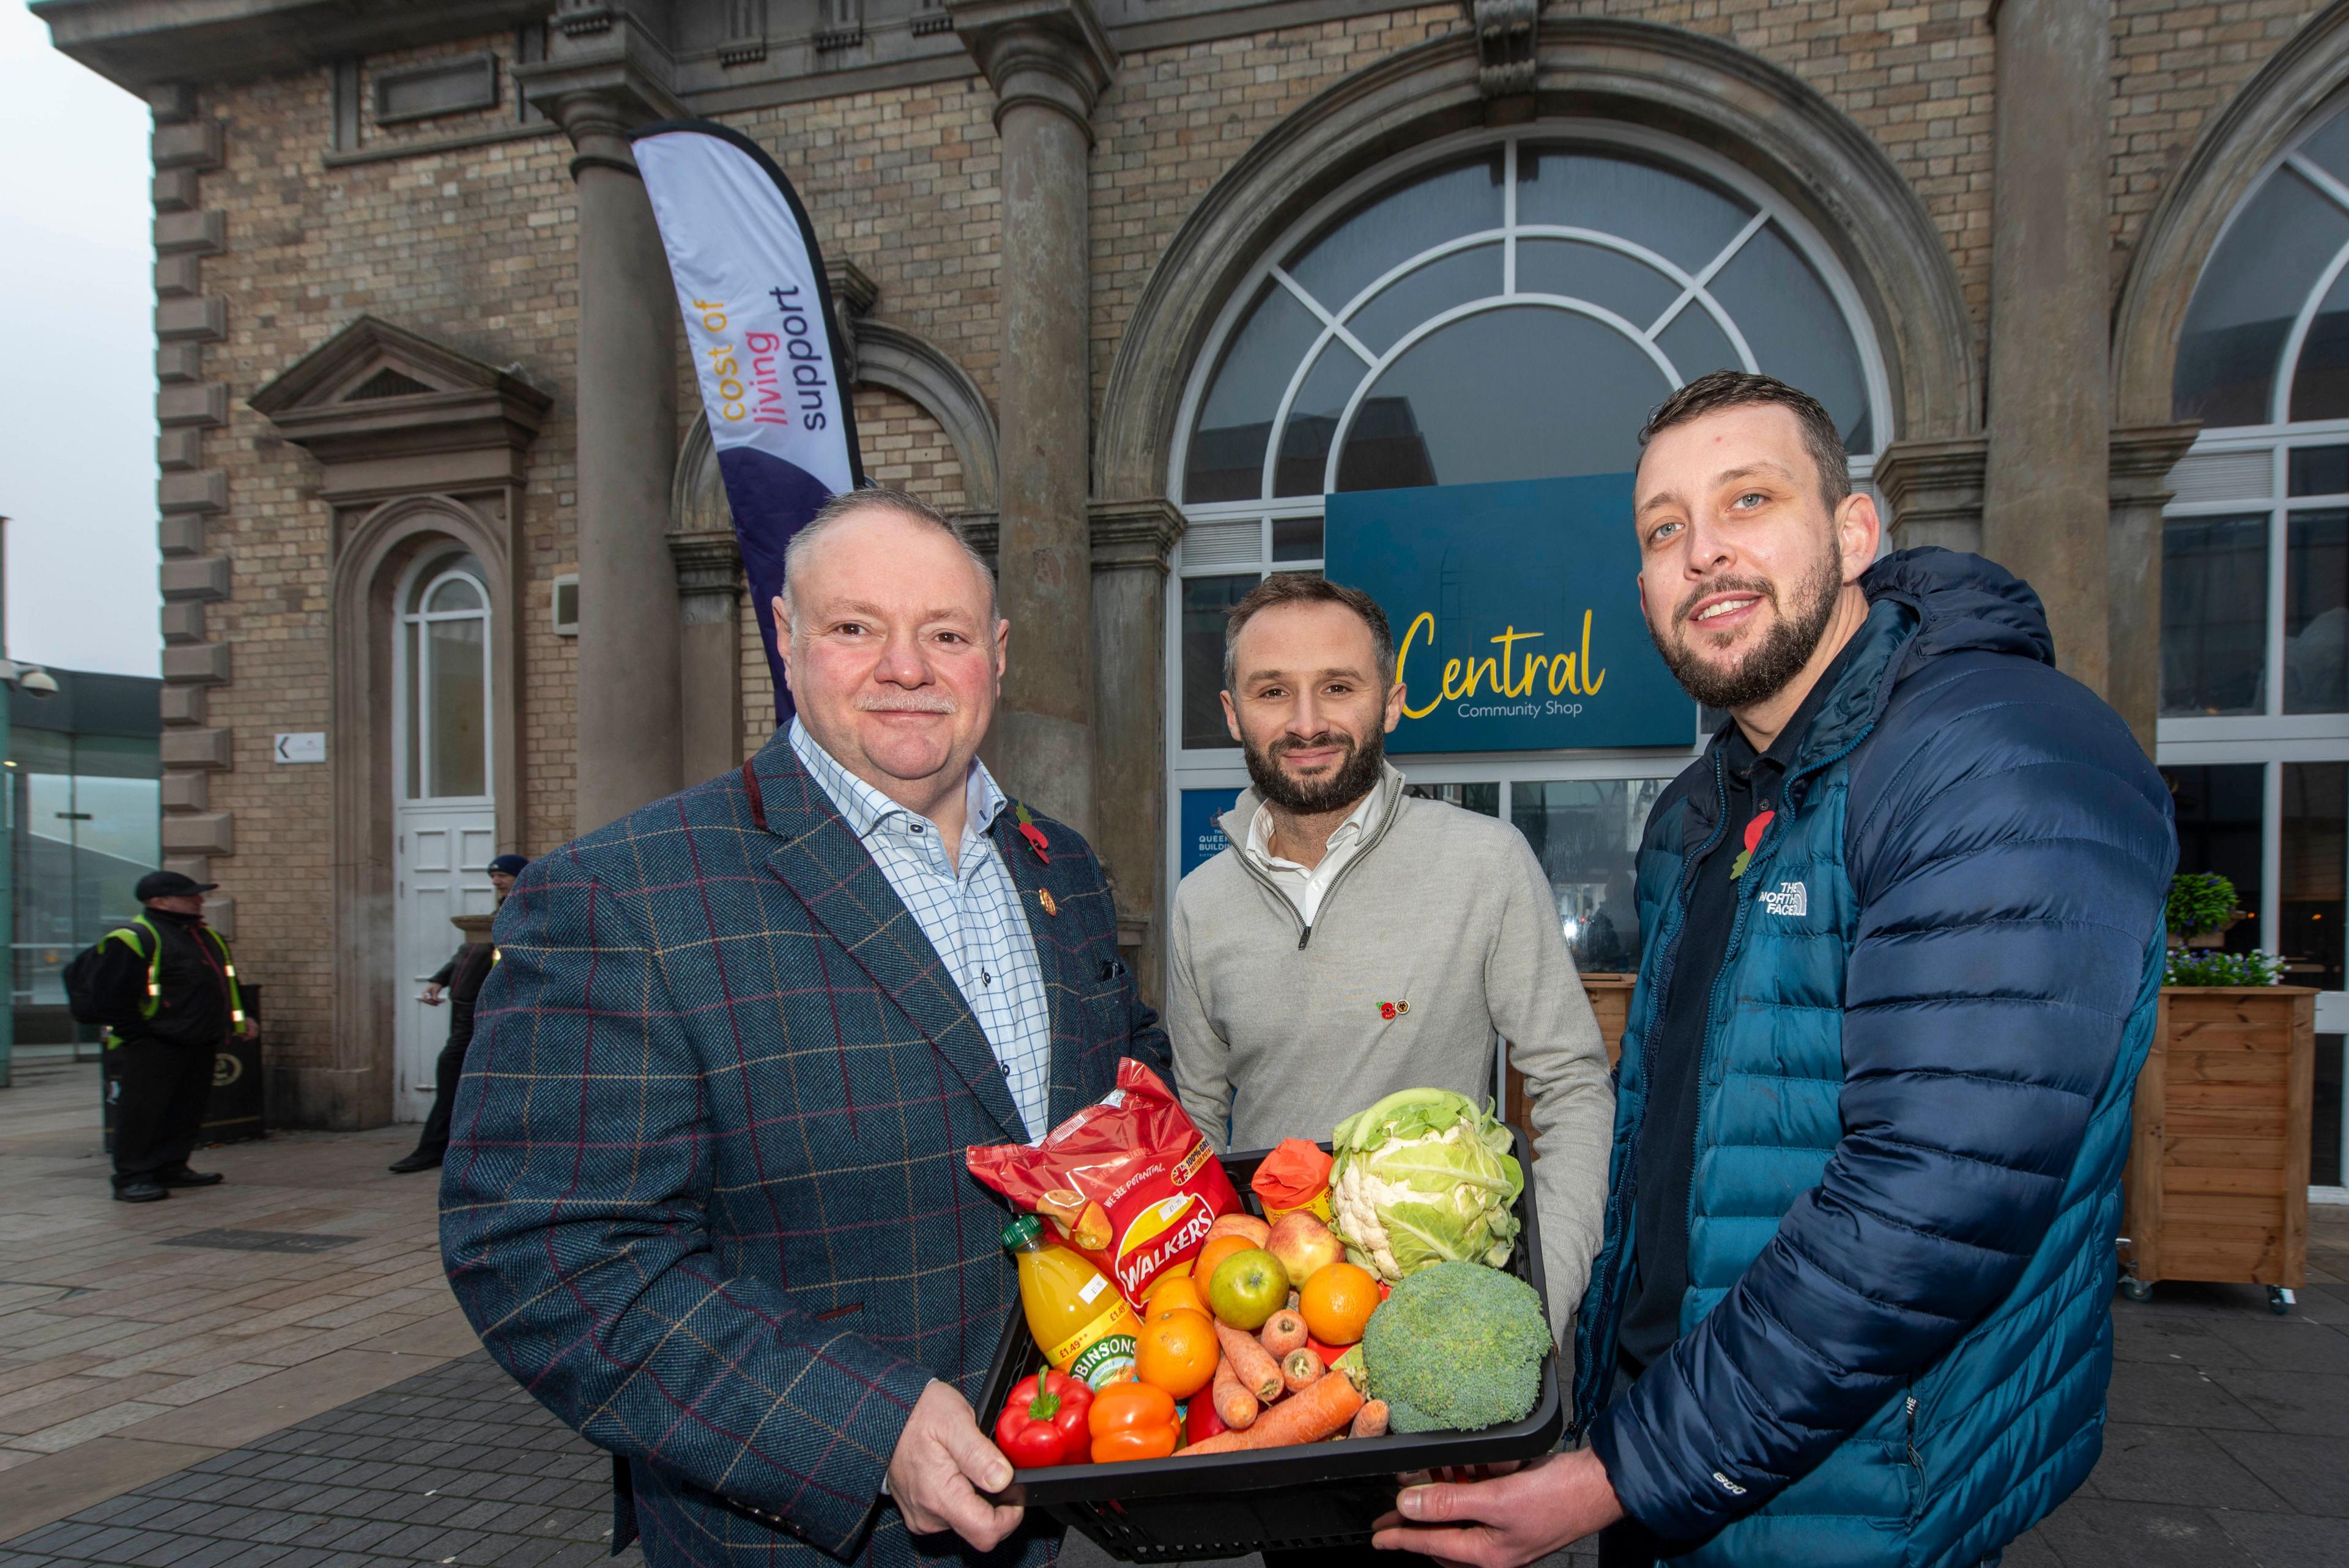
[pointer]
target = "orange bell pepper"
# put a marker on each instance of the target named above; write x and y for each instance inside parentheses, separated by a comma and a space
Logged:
(1133, 1421)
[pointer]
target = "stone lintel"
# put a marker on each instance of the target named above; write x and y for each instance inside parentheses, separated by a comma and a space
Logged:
(197, 144)
(205, 832)
(191, 320)
(175, 190)
(202, 405)
(1933, 490)
(141, 45)
(185, 705)
(181, 534)
(206, 664)
(1048, 52)
(198, 233)
(204, 578)
(182, 623)
(1133, 536)
(177, 450)
(195, 748)
(205, 490)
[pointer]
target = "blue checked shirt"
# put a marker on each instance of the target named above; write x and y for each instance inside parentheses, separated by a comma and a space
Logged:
(967, 907)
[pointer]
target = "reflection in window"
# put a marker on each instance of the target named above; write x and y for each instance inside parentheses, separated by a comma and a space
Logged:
(1791, 323)
(88, 813)
(1586, 833)
(1297, 538)
(460, 759)
(1226, 456)
(1483, 799)
(2319, 471)
(2256, 279)
(2315, 858)
(2317, 613)
(2214, 582)
(2218, 812)
(1464, 197)
(1519, 393)
(1205, 602)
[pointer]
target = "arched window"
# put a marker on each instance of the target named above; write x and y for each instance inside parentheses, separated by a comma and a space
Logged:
(1493, 306)
(444, 682)
(2254, 732)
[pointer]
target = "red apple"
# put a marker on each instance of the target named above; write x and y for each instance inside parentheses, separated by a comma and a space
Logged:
(1304, 1245)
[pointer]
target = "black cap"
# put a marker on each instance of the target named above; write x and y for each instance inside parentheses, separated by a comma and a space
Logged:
(169, 885)
(512, 865)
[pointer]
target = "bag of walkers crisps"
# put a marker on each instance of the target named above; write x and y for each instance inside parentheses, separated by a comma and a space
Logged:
(1127, 1181)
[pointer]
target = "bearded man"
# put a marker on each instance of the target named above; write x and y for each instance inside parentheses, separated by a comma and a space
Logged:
(1902, 949)
(1354, 939)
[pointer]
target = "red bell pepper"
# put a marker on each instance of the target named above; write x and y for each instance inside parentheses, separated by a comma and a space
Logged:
(1200, 1421)
(1043, 1422)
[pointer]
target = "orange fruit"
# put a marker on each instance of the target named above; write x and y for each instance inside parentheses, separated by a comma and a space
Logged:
(1177, 1352)
(1172, 1293)
(1338, 1302)
(1218, 1248)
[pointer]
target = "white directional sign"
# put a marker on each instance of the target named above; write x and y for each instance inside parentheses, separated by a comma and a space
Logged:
(309, 746)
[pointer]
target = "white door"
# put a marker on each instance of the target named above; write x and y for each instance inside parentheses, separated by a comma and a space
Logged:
(446, 830)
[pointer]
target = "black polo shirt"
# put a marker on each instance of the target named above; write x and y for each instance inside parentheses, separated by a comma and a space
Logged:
(1674, 1047)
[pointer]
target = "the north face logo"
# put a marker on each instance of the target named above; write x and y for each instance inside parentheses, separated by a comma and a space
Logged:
(1787, 898)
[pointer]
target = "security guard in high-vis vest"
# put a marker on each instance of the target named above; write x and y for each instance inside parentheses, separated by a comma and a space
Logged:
(165, 988)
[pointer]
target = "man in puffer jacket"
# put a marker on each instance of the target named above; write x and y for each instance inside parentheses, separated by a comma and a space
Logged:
(1903, 941)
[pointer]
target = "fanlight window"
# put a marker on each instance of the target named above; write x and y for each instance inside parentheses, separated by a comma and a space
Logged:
(444, 685)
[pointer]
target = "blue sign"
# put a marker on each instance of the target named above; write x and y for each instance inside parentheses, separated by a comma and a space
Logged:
(1203, 833)
(1515, 609)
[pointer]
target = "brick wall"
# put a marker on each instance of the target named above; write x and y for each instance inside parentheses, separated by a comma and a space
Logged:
(472, 249)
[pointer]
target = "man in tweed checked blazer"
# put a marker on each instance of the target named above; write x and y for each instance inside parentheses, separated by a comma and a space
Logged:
(705, 1196)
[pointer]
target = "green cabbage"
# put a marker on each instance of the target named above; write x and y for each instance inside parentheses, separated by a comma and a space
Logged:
(1424, 1176)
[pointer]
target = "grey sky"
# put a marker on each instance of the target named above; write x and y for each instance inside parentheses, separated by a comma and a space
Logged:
(76, 361)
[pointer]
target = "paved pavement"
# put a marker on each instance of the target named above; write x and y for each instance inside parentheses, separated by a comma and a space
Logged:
(162, 1404)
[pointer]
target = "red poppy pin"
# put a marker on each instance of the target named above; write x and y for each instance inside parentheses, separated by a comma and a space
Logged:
(1391, 1010)
(1754, 831)
(1031, 832)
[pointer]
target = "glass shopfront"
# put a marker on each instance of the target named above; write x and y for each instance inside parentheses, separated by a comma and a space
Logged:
(84, 782)
(2255, 730)
(1496, 307)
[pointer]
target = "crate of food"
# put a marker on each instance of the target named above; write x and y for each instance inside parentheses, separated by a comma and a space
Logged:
(1225, 1494)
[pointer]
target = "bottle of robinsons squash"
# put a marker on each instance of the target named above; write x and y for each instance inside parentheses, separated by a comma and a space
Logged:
(1081, 1323)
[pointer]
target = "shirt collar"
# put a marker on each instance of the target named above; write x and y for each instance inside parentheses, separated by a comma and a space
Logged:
(1741, 756)
(865, 808)
(1259, 837)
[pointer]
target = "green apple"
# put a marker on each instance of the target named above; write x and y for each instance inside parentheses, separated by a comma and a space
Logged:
(1248, 1288)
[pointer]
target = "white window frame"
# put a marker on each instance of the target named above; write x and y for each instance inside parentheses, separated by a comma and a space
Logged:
(1224, 767)
(406, 693)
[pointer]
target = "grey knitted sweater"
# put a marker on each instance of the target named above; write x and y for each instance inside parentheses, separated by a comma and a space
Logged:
(1442, 918)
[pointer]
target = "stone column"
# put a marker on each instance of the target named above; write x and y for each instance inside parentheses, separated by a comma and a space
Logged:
(1133, 545)
(1048, 61)
(2045, 512)
(709, 651)
(628, 721)
(2141, 461)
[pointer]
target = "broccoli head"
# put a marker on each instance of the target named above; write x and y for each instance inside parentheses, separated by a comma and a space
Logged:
(1457, 1347)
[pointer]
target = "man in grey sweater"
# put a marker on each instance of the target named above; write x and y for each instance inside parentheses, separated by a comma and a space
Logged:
(1352, 940)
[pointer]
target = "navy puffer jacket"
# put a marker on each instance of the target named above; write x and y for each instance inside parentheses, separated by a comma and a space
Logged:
(1913, 1108)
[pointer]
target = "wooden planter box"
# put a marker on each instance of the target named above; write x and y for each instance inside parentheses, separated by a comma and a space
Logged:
(1611, 999)
(2216, 1185)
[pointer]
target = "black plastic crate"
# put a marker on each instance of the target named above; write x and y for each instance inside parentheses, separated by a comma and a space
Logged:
(1312, 1495)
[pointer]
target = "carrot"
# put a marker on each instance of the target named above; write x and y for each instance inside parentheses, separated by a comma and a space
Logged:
(1300, 1367)
(1236, 1407)
(1370, 1421)
(1252, 1365)
(1321, 1410)
(1282, 1333)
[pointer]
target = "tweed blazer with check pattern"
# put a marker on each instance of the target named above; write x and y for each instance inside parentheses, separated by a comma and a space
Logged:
(705, 1195)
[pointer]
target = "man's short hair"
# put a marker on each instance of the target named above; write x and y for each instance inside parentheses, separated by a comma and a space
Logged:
(1300, 588)
(854, 503)
(1718, 389)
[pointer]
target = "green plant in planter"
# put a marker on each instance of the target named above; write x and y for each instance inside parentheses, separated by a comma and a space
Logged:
(2200, 902)
(2213, 967)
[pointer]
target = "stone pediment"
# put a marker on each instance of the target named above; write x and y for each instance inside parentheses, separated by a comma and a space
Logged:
(388, 411)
